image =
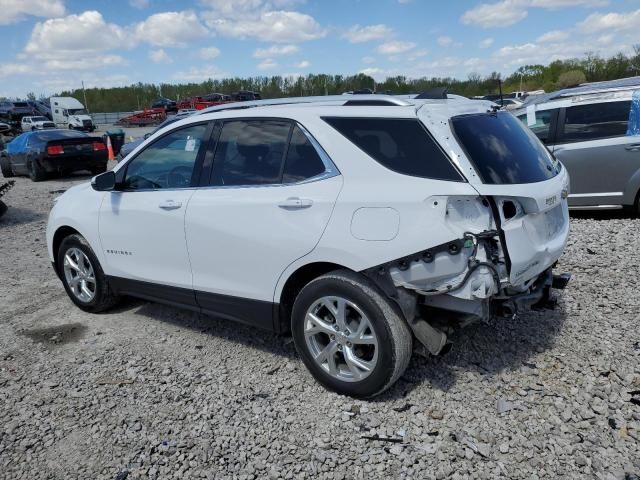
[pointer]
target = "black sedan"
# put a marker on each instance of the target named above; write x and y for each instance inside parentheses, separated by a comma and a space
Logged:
(41, 152)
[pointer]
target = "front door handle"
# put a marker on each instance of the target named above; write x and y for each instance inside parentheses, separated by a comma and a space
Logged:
(295, 203)
(634, 147)
(170, 205)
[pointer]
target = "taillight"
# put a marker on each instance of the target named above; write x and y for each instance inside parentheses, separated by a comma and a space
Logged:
(99, 146)
(55, 150)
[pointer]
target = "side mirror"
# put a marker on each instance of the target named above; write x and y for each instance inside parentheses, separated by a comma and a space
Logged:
(105, 182)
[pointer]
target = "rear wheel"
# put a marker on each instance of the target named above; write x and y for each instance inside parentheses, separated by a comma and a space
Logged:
(350, 336)
(36, 172)
(82, 276)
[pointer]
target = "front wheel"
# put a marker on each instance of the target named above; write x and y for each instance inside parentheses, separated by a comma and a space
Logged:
(350, 336)
(5, 167)
(82, 276)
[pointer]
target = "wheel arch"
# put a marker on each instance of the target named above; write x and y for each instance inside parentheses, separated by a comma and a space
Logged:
(60, 234)
(292, 286)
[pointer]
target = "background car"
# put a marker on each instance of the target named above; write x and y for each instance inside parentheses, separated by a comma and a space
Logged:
(127, 148)
(12, 112)
(41, 152)
(36, 123)
(166, 103)
(587, 129)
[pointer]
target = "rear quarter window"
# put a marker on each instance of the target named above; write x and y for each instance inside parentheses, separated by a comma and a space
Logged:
(599, 120)
(402, 145)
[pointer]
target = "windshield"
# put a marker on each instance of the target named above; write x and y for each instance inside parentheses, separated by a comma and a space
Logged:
(502, 149)
(77, 111)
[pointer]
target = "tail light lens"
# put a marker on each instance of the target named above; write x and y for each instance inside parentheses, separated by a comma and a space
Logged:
(55, 150)
(99, 146)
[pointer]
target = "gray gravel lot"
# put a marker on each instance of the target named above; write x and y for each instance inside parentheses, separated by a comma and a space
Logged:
(149, 391)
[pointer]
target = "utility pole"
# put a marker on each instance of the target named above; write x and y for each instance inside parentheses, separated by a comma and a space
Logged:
(84, 94)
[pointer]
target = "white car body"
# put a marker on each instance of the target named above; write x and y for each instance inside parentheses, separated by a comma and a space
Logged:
(239, 247)
(68, 112)
(35, 123)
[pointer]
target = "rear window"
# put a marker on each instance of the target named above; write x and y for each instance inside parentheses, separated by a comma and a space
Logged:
(47, 135)
(502, 149)
(402, 145)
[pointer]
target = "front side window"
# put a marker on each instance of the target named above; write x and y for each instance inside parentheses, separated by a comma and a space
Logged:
(599, 120)
(502, 149)
(168, 162)
(542, 127)
(401, 145)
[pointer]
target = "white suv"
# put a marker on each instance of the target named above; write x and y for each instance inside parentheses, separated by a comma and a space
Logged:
(354, 223)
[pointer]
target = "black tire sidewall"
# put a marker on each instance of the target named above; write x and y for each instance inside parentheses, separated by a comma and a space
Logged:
(35, 170)
(76, 241)
(333, 286)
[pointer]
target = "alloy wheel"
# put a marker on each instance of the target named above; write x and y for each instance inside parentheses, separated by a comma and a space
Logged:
(79, 274)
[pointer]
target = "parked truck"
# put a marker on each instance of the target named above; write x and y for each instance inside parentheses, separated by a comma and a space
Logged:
(68, 112)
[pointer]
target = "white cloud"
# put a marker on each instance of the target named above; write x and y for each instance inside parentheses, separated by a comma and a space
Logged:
(208, 53)
(304, 64)
(275, 50)
(553, 4)
(598, 22)
(11, 69)
(139, 4)
(553, 36)
(83, 64)
(360, 34)
(170, 29)
(197, 74)
(486, 43)
(446, 41)
(159, 56)
(395, 47)
(12, 11)
(267, 64)
(509, 12)
(368, 60)
(500, 14)
(272, 26)
(74, 35)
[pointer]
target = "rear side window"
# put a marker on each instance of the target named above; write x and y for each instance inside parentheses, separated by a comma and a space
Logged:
(303, 161)
(250, 152)
(502, 149)
(402, 145)
(599, 120)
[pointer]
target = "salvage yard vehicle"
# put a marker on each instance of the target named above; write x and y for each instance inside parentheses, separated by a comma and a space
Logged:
(12, 113)
(36, 123)
(68, 112)
(41, 152)
(588, 129)
(352, 223)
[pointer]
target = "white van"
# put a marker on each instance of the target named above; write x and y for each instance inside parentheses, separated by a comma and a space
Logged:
(68, 112)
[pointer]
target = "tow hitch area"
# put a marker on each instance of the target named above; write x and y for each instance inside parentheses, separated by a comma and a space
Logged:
(537, 298)
(560, 280)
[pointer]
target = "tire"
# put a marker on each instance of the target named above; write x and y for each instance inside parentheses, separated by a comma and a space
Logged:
(102, 297)
(36, 172)
(5, 167)
(386, 359)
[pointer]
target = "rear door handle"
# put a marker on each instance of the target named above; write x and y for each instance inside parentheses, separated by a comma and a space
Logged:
(633, 147)
(170, 205)
(295, 203)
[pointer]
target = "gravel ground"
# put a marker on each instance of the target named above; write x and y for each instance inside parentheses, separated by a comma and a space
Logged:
(149, 391)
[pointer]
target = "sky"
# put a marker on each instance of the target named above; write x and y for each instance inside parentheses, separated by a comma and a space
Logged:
(52, 45)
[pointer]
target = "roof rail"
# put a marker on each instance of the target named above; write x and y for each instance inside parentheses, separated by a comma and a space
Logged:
(341, 100)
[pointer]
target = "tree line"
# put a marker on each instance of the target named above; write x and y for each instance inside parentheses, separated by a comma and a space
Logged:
(558, 74)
